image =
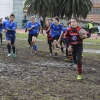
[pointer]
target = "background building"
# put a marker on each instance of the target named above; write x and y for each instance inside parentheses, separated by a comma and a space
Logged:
(12, 6)
(95, 12)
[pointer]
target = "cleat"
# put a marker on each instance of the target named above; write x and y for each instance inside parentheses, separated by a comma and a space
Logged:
(79, 77)
(14, 55)
(9, 54)
(67, 59)
(71, 64)
(55, 55)
(29, 47)
(50, 54)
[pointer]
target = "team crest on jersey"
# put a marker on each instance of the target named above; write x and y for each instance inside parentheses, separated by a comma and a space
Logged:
(74, 38)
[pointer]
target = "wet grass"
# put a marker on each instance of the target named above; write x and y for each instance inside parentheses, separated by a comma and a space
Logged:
(40, 36)
(21, 79)
(92, 46)
(89, 40)
(91, 55)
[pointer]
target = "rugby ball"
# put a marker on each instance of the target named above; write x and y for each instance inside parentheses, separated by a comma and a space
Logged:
(81, 33)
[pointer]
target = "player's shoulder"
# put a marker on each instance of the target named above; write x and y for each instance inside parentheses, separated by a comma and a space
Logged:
(14, 22)
(60, 25)
(78, 28)
(37, 23)
(5, 21)
(69, 29)
(63, 28)
(28, 22)
(52, 23)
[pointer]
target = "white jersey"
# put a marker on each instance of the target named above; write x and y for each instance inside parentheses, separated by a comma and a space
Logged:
(99, 29)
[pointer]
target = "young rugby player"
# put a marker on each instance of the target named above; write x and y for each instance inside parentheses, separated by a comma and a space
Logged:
(76, 44)
(33, 28)
(10, 30)
(49, 38)
(56, 29)
(98, 31)
(1, 28)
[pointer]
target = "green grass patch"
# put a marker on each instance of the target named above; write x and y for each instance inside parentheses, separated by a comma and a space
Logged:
(21, 35)
(92, 40)
(91, 55)
(92, 46)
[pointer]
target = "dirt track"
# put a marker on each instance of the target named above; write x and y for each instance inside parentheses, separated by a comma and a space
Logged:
(40, 77)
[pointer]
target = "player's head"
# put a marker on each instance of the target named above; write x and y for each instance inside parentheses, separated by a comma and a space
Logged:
(32, 19)
(12, 17)
(56, 20)
(68, 24)
(50, 21)
(74, 22)
(0, 20)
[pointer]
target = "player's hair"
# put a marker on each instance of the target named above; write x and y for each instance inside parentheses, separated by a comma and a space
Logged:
(50, 19)
(32, 17)
(57, 18)
(75, 18)
(12, 15)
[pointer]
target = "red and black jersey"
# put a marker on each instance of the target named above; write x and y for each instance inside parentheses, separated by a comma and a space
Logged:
(48, 33)
(73, 35)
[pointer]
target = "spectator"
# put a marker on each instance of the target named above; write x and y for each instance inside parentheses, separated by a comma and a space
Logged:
(90, 27)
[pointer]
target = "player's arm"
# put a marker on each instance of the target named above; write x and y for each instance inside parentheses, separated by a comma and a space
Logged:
(40, 29)
(48, 30)
(62, 33)
(29, 28)
(4, 27)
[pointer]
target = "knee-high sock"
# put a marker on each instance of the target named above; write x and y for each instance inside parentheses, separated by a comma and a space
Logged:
(13, 48)
(35, 47)
(9, 48)
(29, 42)
(1, 38)
(70, 56)
(79, 68)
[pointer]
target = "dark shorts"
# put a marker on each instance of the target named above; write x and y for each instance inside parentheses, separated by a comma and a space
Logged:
(31, 35)
(66, 42)
(56, 38)
(11, 37)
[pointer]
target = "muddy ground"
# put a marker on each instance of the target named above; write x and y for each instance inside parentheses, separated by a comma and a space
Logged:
(40, 77)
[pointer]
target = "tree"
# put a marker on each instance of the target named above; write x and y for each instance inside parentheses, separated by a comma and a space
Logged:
(40, 7)
(60, 8)
(76, 8)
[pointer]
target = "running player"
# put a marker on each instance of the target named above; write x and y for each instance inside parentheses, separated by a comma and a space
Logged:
(76, 45)
(10, 30)
(1, 28)
(56, 29)
(62, 42)
(63, 35)
(29, 42)
(98, 31)
(49, 38)
(33, 28)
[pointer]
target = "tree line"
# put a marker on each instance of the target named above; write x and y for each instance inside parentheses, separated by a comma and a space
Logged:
(60, 8)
